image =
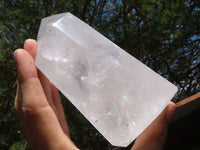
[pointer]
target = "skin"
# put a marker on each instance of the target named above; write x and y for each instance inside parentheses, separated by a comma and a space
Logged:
(39, 108)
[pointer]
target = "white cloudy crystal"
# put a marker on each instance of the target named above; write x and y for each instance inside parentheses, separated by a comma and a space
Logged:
(118, 94)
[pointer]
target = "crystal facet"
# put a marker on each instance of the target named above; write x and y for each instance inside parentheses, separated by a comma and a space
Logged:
(118, 94)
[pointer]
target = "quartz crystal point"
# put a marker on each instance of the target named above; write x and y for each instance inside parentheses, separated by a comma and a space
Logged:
(118, 94)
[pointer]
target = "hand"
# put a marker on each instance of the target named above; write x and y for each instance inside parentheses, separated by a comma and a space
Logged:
(154, 136)
(38, 105)
(41, 114)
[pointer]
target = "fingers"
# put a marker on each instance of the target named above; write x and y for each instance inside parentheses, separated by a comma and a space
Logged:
(59, 107)
(30, 46)
(29, 84)
(50, 91)
(39, 121)
(153, 137)
(46, 88)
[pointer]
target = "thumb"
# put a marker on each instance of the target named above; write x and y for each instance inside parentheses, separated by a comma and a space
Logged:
(154, 136)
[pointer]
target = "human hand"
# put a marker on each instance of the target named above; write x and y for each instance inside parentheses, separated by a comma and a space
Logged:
(40, 111)
(38, 105)
(154, 136)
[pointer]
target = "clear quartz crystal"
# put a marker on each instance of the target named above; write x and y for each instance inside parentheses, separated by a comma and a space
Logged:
(118, 94)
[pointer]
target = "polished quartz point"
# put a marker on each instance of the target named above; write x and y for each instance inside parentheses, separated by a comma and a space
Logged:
(118, 94)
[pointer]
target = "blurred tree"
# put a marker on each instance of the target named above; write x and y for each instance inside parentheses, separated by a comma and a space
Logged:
(163, 34)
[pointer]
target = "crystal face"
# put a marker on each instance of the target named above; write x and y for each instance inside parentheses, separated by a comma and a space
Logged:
(118, 94)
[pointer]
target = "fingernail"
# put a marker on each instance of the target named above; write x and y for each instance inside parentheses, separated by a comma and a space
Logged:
(27, 43)
(170, 110)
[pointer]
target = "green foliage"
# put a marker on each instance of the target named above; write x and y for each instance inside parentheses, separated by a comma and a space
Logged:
(163, 34)
(19, 146)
